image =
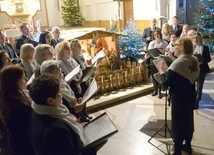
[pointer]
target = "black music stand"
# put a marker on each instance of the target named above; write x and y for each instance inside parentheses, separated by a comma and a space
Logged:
(165, 126)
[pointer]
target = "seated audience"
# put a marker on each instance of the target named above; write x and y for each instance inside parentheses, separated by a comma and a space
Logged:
(15, 109)
(203, 50)
(24, 38)
(180, 78)
(26, 55)
(52, 129)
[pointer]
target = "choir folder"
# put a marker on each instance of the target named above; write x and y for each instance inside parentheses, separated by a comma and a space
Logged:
(98, 130)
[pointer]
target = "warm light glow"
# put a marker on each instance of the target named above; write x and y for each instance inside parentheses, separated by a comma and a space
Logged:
(13, 7)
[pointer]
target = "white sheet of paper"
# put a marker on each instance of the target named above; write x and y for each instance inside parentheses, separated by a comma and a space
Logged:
(162, 62)
(99, 55)
(93, 88)
(74, 72)
(31, 79)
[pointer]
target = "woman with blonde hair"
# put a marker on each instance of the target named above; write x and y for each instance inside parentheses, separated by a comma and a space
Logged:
(68, 63)
(190, 34)
(166, 33)
(185, 70)
(26, 55)
(185, 30)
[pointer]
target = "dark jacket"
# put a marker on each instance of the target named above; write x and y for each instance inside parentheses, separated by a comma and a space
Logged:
(206, 59)
(18, 42)
(9, 49)
(147, 33)
(52, 136)
(18, 126)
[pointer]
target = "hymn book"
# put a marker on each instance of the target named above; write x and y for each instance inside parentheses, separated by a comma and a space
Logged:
(98, 130)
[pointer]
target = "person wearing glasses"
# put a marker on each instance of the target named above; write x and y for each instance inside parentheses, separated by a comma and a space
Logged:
(185, 70)
(203, 50)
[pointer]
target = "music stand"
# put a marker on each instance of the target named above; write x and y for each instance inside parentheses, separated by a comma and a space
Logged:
(165, 126)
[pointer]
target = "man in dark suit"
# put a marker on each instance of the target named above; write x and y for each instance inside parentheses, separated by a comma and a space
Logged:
(6, 46)
(56, 36)
(147, 33)
(24, 38)
(175, 28)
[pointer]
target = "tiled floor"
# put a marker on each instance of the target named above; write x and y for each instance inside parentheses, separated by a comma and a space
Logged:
(138, 119)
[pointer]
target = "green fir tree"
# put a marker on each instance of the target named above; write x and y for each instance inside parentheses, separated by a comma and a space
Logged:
(204, 21)
(71, 13)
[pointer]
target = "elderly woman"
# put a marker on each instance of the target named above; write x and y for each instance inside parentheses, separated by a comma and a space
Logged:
(67, 63)
(185, 70)
(52, 129)
(42, 52)
(69, 99)
(26, 55)
(203, 50)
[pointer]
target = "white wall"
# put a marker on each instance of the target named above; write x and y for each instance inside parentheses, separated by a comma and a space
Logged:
(54, 13)
(99, 9)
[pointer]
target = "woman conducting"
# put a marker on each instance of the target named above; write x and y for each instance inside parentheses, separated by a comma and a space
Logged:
(181, 77)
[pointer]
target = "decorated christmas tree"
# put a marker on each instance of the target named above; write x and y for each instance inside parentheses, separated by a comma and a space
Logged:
(131, 43)
(204, 21)
(71, 13)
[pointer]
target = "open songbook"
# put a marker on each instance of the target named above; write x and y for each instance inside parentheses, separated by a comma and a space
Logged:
(87, 73)
(98, 57)
(154, 52)
(93, 88)
(74, 72)
(98, 130)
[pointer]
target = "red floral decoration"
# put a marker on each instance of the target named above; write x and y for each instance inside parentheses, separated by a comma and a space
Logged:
(204, 8)
(210, 36)
(199, 11)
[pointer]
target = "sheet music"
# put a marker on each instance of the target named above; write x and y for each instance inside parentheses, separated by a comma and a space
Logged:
(161, 62)
(87, 73)
(74, 72)
(93, 88)
(98, 56)
(31, 79)
(98, 129)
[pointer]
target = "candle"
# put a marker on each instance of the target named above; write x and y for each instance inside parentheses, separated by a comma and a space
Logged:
(110, 21)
